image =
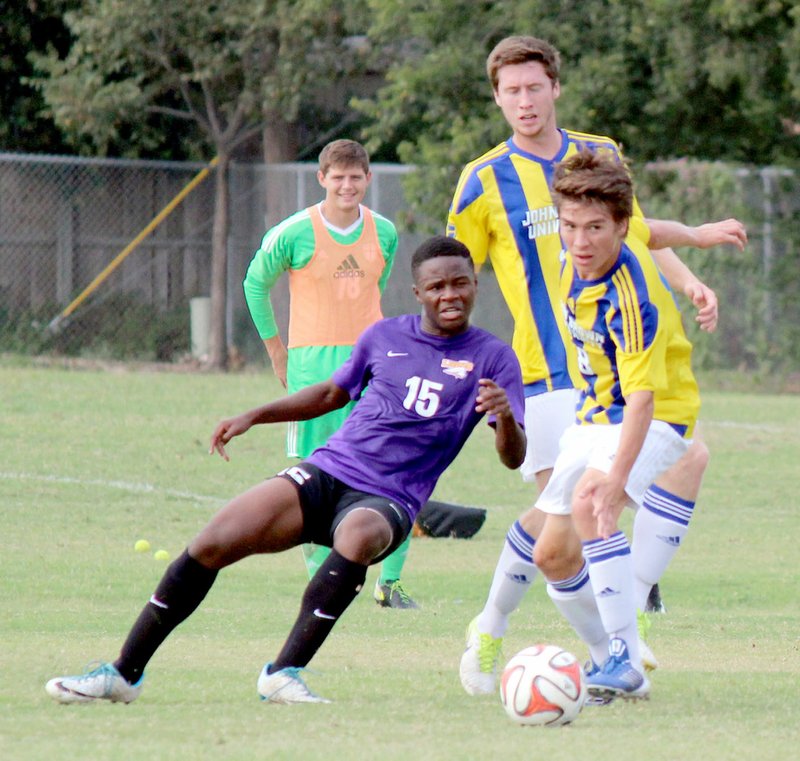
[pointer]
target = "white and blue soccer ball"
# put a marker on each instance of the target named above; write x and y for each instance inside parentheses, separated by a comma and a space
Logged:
(543, 685)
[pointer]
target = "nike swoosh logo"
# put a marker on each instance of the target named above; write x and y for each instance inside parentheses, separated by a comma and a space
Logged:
(396, 353)
(156, 601)
(319, 614)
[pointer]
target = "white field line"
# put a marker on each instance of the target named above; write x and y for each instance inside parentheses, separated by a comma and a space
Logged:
(122, 485)
(144, 488)
(765, 427)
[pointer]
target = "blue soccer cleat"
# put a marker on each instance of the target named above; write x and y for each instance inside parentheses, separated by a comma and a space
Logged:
(617, 677)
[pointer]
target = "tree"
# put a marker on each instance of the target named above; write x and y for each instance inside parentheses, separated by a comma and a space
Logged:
(25, 27)
(666, 78)
(225, 69)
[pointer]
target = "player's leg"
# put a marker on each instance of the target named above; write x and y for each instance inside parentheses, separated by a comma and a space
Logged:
(365, 533)
(611, 577)
(547, 416)
(513, 575)
(314, 556)
(266, 518)
(307, 366)
(610, 561)
(559, 556)
(558, 552)
(662, 521)
(389, 591)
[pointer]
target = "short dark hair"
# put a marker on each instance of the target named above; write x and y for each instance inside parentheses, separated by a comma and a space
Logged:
(343, 153)
(439, 245)
(519, 49)
(599, 177)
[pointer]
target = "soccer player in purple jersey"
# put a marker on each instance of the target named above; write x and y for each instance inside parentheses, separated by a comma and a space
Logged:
(424, 383)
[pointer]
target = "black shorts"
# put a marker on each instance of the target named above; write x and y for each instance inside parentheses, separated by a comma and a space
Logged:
(325, 501)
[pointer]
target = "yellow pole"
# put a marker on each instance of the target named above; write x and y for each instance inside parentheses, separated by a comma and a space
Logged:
(118, 259)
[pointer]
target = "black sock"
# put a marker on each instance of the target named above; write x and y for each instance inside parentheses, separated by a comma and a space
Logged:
(181, 589)
(334, 586)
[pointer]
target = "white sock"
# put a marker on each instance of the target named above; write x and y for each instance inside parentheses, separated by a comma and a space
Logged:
(575, 601)
(611, 572)
(513, 575)
(659, 527)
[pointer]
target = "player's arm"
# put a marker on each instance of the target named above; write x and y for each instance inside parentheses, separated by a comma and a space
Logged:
(670, 234)
(682, 280)
(278, 357)
(388, 241)
(509, 438)
(309, 402)
(667, 234)
(269, 262)
(608, 493)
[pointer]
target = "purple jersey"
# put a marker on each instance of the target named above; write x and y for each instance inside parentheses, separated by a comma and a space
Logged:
(417, 409)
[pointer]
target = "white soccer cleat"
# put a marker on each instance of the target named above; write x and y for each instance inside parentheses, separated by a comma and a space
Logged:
(478, 669)
(101, 683)
(286, 686)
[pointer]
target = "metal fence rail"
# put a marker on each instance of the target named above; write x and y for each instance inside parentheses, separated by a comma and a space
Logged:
(63, 219)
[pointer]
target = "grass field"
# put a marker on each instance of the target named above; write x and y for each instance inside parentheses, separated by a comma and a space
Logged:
(94, 459)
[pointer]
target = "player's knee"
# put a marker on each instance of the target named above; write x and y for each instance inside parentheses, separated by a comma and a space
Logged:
(532, 521)
(362, 536)
(211, 547)
(583, 517)
(557, 559)
(697, 457)
(691, 467)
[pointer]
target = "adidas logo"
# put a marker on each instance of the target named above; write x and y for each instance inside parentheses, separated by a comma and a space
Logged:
(349, 268)
(674, 541)
(608, 592)
(519, 578)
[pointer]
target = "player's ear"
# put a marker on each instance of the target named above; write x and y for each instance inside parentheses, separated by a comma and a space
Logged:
(416, 292)
(556, 89)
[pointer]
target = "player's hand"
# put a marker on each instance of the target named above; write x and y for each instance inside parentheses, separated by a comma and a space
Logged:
(730, 231)
(279, 364)
(492, 399)
(705, 301)
(278, 357)
(608, 498)
(225, 431)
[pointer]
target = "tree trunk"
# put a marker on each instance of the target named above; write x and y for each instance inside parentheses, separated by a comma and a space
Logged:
(279, 147)
(217, 345)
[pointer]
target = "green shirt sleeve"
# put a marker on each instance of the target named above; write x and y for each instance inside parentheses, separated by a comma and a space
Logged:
(388, 241)
(288, 245)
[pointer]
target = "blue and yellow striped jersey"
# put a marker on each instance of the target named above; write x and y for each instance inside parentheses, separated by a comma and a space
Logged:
(629, 337)
(502, 209)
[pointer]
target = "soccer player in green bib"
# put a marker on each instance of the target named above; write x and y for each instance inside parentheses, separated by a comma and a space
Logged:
(338, 254)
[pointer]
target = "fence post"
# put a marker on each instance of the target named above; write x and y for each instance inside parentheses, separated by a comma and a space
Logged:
(200, 323)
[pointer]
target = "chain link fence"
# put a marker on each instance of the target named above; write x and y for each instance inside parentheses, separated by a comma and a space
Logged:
(63, 220)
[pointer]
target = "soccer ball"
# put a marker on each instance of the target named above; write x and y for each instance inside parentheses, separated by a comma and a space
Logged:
(543, 685)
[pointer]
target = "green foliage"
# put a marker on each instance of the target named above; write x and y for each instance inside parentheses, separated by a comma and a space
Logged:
(665, 79)
(26, 27)
(223, 69)
(757, 287)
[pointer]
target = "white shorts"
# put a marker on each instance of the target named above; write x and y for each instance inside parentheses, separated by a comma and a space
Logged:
(594, 446)
(547, 416)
